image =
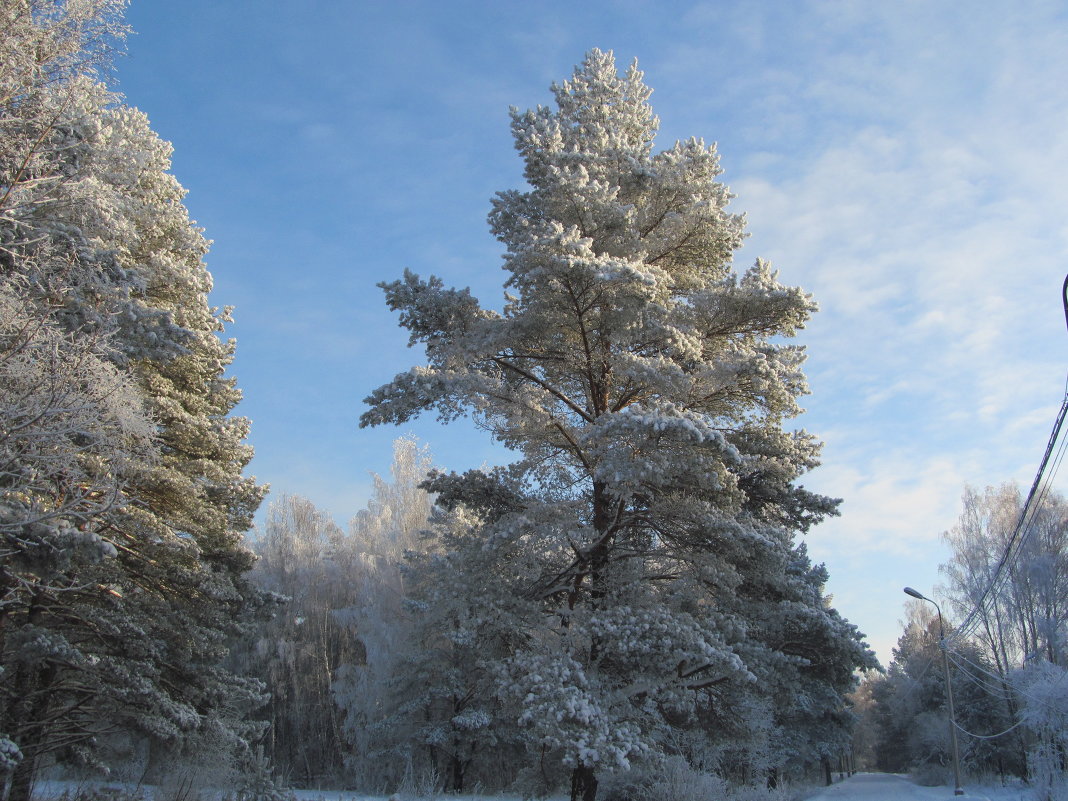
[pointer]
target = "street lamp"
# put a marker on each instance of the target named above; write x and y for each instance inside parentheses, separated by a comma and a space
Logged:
(957, 789)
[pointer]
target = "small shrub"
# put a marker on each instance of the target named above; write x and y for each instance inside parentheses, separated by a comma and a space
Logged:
(673, 779)
(257, 782)
(416, 783)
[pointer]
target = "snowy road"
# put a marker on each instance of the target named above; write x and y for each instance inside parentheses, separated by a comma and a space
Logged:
(886, 787)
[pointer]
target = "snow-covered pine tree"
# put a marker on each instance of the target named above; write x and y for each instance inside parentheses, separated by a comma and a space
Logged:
(436, 719)
(184, 530)
(121, 569)
(806, 657)
(645, 386)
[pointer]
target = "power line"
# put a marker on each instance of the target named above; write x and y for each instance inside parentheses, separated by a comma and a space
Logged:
(988, 736)
(957, 655)
(1022, 529)
(990, 688)
(1036, 497)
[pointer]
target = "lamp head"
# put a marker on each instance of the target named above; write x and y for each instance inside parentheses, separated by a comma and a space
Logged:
(915, 594)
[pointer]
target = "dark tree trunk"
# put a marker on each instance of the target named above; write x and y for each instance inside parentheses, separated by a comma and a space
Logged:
(457, 769)
(583, 784)
(598, 554)
(31, 707)
(30, 689)
(827, 778)
(22, 780)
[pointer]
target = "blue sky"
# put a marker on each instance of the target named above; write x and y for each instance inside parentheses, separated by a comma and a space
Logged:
(906, 162)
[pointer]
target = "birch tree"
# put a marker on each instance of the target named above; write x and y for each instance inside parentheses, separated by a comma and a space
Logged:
(378, 692)
(298, 652)
(1028, 617)
(1022, 626)
(331, 658)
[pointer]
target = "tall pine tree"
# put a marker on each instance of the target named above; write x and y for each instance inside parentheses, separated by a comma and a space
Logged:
(122, 503)
(646, 534)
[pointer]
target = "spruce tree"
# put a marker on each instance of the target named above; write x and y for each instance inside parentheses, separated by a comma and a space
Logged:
(645, 386)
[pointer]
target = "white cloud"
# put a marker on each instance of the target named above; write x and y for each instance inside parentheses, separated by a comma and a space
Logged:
(933, 239)
(896, 503)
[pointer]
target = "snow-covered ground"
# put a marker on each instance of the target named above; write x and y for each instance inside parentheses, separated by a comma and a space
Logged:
(891, 787)
(861, 787)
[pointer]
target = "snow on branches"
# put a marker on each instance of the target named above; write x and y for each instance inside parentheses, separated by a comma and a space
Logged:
(644, 385)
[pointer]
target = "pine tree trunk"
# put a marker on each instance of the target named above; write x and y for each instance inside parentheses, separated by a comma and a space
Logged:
(457, 774)
(30, 689)
(32, 707)
(583, 784)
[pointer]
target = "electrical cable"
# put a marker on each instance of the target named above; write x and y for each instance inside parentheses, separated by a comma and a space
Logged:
(987, 736)
(971, 620)
(996, 677)
(1030, 506)
(960, 661)
(1001, 693)
(957, 657)
(1036, 497)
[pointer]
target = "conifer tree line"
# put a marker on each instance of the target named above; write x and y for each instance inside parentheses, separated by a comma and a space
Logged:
(1009, 679)
(626, 605)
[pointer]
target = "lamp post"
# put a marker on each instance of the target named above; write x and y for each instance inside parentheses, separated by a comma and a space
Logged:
(957, 789)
